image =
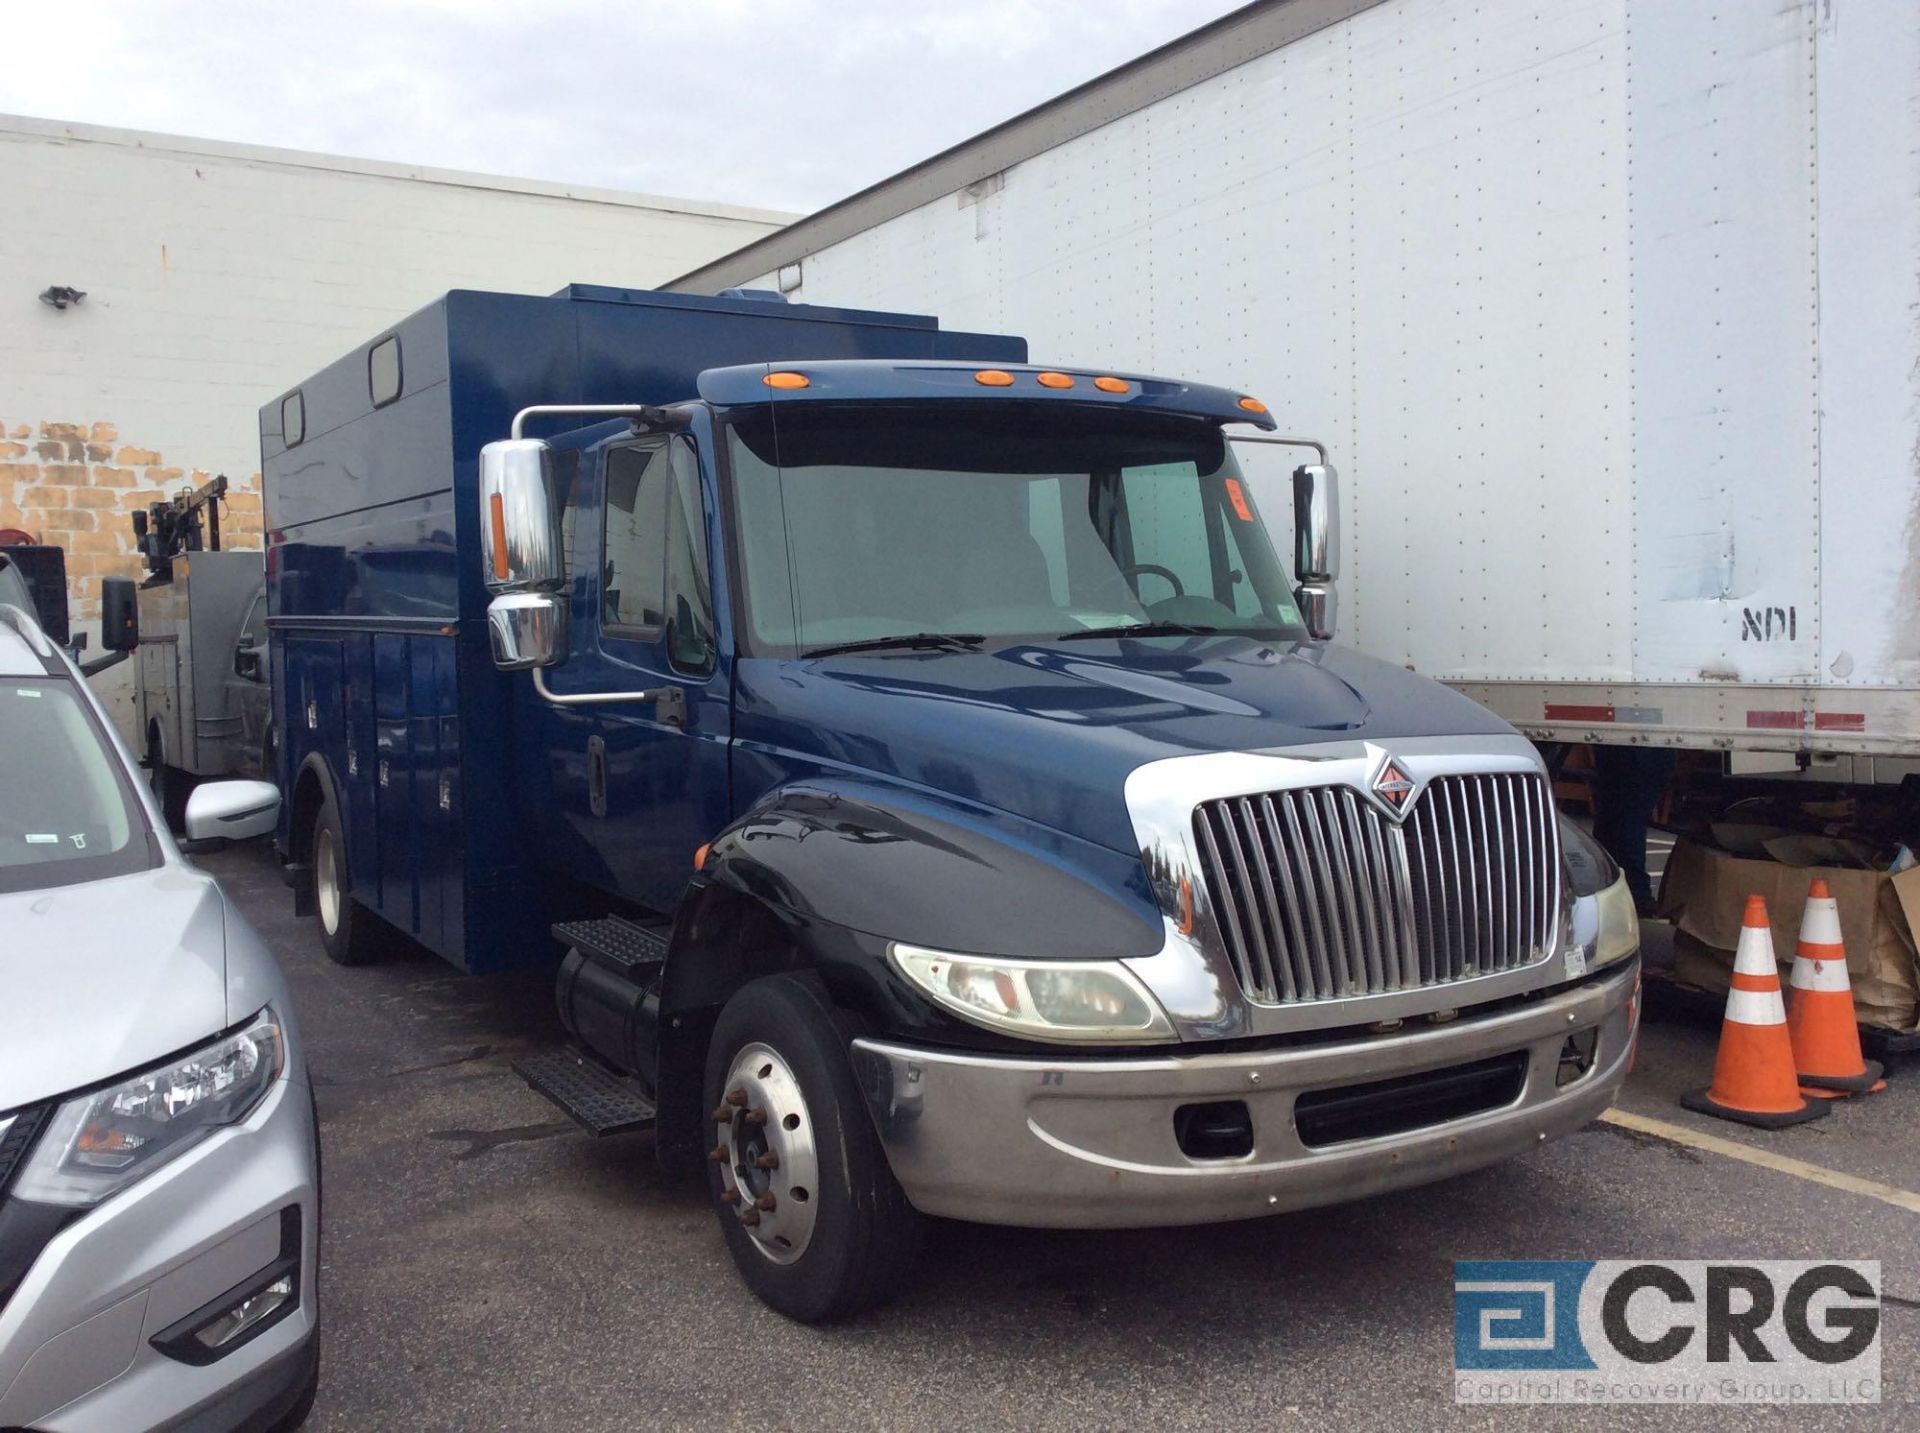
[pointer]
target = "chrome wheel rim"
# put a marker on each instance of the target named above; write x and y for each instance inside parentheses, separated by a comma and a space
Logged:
(769, 1164)
(326, 882)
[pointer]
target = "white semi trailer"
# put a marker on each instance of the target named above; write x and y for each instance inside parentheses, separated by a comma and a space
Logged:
(1608, 309)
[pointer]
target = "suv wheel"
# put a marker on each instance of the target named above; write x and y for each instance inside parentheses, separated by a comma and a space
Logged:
(814, 1219)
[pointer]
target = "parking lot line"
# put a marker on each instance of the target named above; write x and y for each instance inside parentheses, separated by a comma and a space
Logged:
(1799, 1168)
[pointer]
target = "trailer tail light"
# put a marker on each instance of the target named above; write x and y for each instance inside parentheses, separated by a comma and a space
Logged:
(498, 512)
(1253, 405)
(993, 378)
(1111, 385)
(787, 380)
(1055, 380)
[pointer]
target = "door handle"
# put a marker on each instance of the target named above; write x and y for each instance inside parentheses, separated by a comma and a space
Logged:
(596, 776)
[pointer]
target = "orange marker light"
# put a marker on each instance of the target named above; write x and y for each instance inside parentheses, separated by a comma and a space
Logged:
(700, 857)
(1237, 496)
(1055, 380)
(994, 378)
(787, 380)
(1253, 405)
(500, 569)
(1111, 385)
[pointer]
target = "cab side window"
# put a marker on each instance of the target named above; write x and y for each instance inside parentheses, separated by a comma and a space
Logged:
(633, 568)
(689, 597)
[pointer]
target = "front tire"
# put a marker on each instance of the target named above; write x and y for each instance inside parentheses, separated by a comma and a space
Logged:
(814, 1219)
(347, 931)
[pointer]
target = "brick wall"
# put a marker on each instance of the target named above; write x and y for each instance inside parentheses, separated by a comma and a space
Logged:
(77, 485)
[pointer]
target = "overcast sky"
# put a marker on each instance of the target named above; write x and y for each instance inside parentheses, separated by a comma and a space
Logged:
(781, 104)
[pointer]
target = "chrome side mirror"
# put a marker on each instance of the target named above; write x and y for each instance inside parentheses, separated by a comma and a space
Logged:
(525, 566)
(519, 520)
(528, 630)
(1316, 545)
(234, 810)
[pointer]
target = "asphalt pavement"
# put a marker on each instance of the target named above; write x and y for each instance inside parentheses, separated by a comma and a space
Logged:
(486, 1266)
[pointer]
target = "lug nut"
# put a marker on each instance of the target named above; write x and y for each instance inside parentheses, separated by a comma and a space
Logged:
(769, 1160)
(723, 1115)
(718, 1154)
(736, 1098)
(749, 1217)
(729, 1197)
(766, 1202)
(756, 1116)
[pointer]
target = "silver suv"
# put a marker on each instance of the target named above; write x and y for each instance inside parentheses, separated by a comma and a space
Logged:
(159, 1171)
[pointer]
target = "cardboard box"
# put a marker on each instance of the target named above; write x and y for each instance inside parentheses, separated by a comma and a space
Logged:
(1704, 894)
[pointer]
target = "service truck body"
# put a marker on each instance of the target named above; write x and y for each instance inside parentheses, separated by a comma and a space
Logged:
(938, 789)
(200, 696)
(1607, 306)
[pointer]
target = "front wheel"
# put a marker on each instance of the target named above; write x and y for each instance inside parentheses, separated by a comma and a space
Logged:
(813, 1217)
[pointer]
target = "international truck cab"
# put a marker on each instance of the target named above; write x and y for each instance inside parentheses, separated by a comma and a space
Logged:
(944, 798)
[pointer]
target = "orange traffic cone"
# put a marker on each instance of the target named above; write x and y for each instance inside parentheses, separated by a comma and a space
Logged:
(1753, 1077)
(1826, 1037)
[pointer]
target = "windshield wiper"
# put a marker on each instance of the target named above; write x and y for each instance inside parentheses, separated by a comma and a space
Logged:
(1144, 629)
(904, 642)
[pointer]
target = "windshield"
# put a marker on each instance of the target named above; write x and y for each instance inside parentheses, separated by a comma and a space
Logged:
(1032, 522)
(65, 812)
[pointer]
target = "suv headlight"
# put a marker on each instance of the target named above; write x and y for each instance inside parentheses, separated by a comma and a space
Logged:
(99, 1143)
(1079, 1000)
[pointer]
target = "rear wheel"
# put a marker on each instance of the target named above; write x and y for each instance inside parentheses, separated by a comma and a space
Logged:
(813, 1217)
(346, 931)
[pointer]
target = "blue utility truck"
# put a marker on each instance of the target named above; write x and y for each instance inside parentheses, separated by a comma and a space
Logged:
(932, 792)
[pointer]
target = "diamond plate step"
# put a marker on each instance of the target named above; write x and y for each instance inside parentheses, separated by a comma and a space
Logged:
(595, 1098)
(623, 942)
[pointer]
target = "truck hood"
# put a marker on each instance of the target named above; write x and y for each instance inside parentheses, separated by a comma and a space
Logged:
(101, 978)
(1050, 732)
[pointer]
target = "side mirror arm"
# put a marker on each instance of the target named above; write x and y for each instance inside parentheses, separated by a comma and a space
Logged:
(671, 701)
(100, 664)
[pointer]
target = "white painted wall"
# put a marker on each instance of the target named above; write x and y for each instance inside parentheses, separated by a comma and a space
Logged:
(218, 274)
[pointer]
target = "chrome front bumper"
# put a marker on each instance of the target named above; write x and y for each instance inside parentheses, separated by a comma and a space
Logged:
(1091, 1143)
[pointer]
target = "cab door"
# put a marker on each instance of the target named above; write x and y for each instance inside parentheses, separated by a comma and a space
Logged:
(248, 696)
(644, 788)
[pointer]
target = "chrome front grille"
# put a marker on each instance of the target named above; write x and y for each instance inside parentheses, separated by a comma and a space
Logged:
(1319, 895)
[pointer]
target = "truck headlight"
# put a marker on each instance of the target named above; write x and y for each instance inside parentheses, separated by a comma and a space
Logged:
(1617, 932)
(1098, 1001)
(99, 1143)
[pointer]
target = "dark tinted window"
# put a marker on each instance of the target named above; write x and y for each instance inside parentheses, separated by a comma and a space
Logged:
(293, 419)
(383, 370)
(633, 571)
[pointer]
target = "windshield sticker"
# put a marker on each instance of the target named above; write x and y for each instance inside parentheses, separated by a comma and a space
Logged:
(1238, 498)
(27, 691)
(42, 838)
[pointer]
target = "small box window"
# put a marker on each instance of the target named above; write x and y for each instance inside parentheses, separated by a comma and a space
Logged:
(293, 418)
(383, 370)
